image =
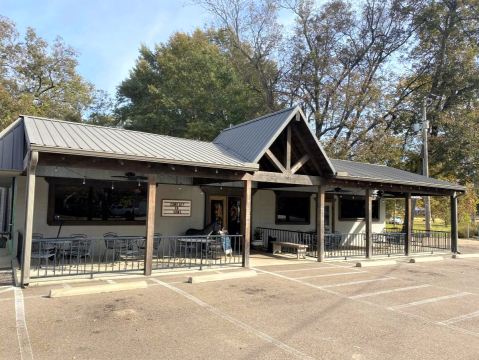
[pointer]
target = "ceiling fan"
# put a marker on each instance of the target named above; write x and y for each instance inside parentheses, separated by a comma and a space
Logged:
(131, 176)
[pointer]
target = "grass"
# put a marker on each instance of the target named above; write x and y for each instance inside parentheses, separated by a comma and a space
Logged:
(420, 224)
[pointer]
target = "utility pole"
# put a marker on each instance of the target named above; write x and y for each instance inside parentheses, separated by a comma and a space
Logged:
(425, 162)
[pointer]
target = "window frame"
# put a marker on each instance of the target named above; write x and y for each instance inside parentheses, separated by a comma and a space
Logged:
(293, 195)
(359, 198)
(51, 221)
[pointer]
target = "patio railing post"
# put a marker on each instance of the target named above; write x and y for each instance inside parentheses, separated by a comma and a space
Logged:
(369, 225)
(320, 222)
(246, 221)
(454, 234)
(28, 229)
(408, 225)
(150, 224)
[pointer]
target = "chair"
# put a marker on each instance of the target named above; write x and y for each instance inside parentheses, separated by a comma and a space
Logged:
(79, 246)
(43, 250)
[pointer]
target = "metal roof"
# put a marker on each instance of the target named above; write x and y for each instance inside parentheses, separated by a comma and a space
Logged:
(50, 135)
(352, 170)
(251, 139)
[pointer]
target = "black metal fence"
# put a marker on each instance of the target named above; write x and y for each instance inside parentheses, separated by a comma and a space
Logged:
(430, 241)
(269, 235)
(197, 251)
(79, 255)
(344, 245)
(389, 243)
(354, 245)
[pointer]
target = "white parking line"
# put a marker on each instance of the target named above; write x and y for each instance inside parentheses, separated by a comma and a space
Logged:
(359, 296)
(307, 269)
(429, 301)
(460, 318)
(249, 329)
(22, 332)
(357, 282)
(328, 275)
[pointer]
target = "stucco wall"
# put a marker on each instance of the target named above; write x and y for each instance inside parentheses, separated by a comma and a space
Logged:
(163, 225)
(264, 216)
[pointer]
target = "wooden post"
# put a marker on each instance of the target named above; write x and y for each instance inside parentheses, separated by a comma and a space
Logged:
(246, 221)
(150, 224)
(368, 218)
(320, 222)
(454, 234)
(408, 225)
(28, 228)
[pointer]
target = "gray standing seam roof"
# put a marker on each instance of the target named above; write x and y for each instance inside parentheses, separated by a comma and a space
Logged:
(51, 135)
(251, 139)
(352, 170)
(238, 148)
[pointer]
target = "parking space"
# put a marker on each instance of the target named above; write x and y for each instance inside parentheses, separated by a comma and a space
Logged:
(299, 310)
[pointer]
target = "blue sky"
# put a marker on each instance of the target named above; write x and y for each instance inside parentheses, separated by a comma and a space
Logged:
(106, 33)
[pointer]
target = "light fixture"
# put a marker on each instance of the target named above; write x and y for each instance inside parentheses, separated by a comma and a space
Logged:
(112, 186)
(139, 184)
(217, 171)
(173, 168)
(56, 169)
(84, 180)
(196, 170)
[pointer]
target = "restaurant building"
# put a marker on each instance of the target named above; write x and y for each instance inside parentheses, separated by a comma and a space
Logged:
(79, 199)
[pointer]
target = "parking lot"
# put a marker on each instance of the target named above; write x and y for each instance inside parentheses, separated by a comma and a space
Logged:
(296, 309)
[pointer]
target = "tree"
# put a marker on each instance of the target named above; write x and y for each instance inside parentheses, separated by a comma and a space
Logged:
(39, 79)
(249, 31)
(340, 68)
(186, 87)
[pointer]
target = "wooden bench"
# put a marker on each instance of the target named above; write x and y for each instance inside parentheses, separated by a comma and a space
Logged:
(300, 248)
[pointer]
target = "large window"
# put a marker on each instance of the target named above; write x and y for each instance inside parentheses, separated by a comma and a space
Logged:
(354, 208)
(292, 208)
(96, 202)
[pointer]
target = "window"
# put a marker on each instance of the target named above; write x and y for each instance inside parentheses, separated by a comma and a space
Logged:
(96, 202)
(354, 208)
(292, 208)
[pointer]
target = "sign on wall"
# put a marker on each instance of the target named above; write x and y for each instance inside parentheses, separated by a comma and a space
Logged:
(176, 208)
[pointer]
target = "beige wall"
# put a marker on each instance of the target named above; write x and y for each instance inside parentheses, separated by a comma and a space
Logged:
(264, 216)
(163, 225)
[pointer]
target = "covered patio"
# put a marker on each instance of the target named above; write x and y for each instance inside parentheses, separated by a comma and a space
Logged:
(87, 199)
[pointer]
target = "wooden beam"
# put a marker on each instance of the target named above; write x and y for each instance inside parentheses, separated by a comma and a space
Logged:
(288, 147)
(246, 223)
(275, 161)
(454, 234)
(29, 213)
(304, 159)
(271, 177)
(75, 161)
(408, 225)
(398, 188)
(368, 218)
(150, 224)
(320, 222)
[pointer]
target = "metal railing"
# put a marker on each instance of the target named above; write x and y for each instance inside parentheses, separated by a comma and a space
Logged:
(335, 245)
(389, 243)
(88, 256)
(344, 245)
(430, 241)
(197, 251)
(268, 235)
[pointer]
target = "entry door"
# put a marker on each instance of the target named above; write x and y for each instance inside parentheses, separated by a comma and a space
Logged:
(328, 218)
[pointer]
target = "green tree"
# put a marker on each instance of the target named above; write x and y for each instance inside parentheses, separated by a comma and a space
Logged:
(38, 78)
(187, 87)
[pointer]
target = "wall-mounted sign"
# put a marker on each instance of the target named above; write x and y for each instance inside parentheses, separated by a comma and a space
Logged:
(176, 208)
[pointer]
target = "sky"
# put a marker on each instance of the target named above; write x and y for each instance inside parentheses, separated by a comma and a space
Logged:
(106, 33)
